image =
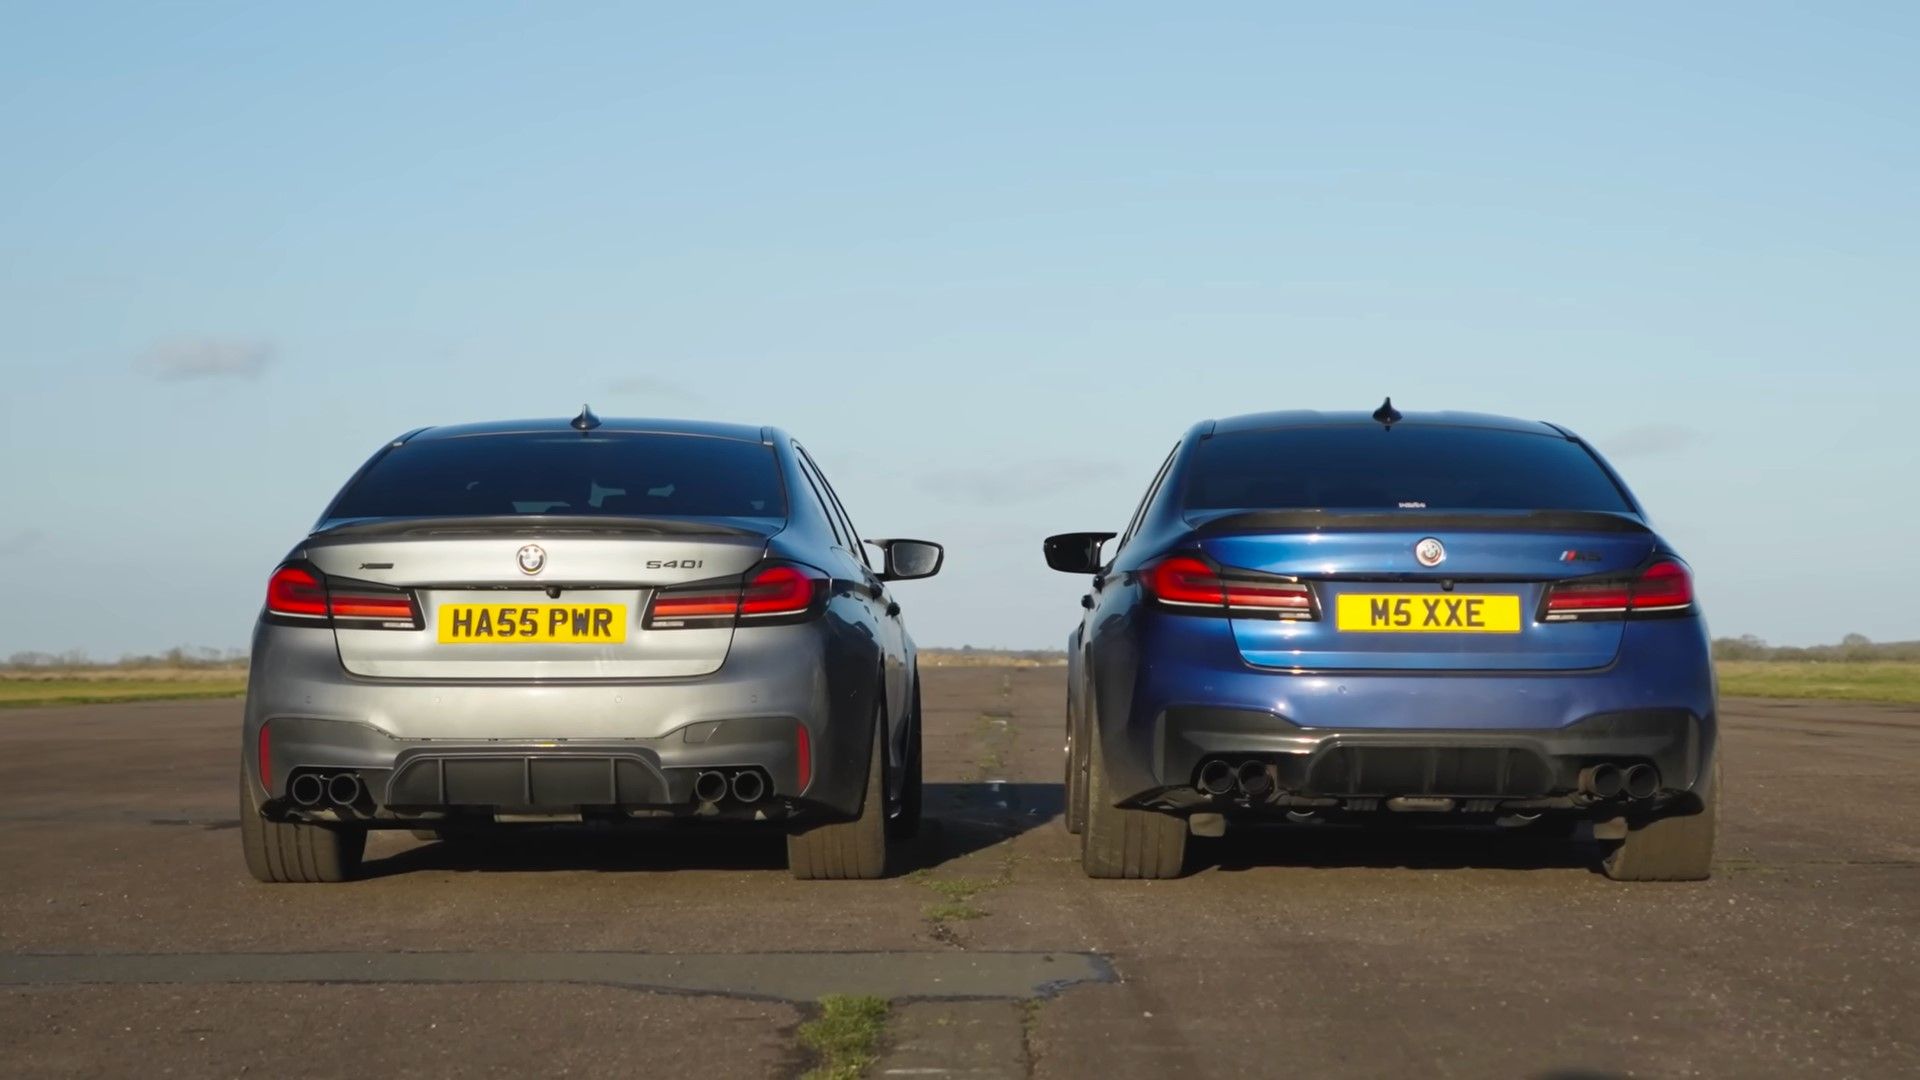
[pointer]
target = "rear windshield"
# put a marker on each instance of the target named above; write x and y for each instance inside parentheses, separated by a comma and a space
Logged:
(605, 473)
(1376, 468)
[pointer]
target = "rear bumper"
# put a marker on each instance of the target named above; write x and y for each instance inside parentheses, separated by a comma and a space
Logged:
(1499, 768)
(428, 749)
(1183, 693)
(402, 782)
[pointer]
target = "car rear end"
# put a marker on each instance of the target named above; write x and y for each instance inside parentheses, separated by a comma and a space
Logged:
(498, 625)
(1462, 620)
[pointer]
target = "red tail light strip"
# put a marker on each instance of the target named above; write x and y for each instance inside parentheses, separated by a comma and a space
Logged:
(299, 594)
(695, 606)
(1666, 588)
(773, 593)
(383, 608)
(1189, 583)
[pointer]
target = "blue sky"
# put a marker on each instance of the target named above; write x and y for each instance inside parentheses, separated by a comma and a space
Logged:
(987, 260)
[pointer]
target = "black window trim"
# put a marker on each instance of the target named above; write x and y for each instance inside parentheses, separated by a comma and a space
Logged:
(819, 499)
(1146, 501)
(857, 547)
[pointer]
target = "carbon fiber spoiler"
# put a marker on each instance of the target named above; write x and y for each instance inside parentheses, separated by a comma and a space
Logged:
(1544, 521)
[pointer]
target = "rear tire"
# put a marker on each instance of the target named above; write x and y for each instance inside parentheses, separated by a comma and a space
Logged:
(1126, 843)
(284, 853)
(1676, 848)
(851, 850)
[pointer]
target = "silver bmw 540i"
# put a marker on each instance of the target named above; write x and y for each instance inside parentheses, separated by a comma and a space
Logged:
(552, 620)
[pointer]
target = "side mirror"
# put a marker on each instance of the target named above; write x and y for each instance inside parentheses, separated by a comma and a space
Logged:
(910, 559)
(1077, 553)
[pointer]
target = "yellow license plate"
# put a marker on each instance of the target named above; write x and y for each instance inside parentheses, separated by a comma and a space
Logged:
(1446, 613)
(533, 624)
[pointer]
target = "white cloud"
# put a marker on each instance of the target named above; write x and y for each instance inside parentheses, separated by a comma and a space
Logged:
(206, 358)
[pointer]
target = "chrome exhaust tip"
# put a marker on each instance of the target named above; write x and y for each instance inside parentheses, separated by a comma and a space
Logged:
(748, 787)
(343, 789)
(306, 789)
(709, 786)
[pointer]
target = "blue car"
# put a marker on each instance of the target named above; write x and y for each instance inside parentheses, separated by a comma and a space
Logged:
(1353, 618)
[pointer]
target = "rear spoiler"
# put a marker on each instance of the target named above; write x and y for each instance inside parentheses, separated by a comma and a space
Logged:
(538, 525)
(1545, 521)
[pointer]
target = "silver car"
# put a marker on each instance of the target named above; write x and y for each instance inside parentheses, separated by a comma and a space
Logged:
(551, 620)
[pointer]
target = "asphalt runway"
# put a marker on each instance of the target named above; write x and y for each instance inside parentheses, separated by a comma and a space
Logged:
(133, 942)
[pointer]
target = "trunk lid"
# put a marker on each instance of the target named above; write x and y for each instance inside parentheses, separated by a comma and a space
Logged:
(534, 599)
(1381, 608)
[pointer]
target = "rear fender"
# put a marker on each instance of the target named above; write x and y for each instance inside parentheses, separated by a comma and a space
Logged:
(854, 676)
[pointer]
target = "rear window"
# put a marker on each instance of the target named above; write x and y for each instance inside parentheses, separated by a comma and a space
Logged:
(1375, 468)
(610, 474)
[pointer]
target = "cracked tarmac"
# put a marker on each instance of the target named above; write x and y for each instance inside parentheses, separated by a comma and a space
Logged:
(131, 940)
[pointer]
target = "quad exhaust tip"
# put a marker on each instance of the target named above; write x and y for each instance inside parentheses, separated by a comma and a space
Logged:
(710, 786)
(344, 788)
(1641, 781)
(1220, 778)
(307, 789)
(311, 789)
(1254, 778)
(1607, 781)
(748, 787)
(1216, 777)
(1602, 781)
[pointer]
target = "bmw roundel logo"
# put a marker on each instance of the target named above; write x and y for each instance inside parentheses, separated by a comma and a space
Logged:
(532, 558)
(1430, 552)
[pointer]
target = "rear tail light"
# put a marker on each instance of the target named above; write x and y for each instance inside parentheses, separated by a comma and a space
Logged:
(1188, 583)
(776, 592)
(1665, 588)
(299, 594)
(772, 594)
(296, 593)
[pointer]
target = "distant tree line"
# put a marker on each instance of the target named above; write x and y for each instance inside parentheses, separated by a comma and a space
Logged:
(180, 656)
(1854, 648)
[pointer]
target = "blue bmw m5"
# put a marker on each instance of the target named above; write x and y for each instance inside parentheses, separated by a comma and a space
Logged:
(1353, 618)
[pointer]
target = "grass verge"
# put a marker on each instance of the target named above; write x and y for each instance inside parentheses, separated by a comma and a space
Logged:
(20, 693)
(1875, 680)
(845, 1036)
